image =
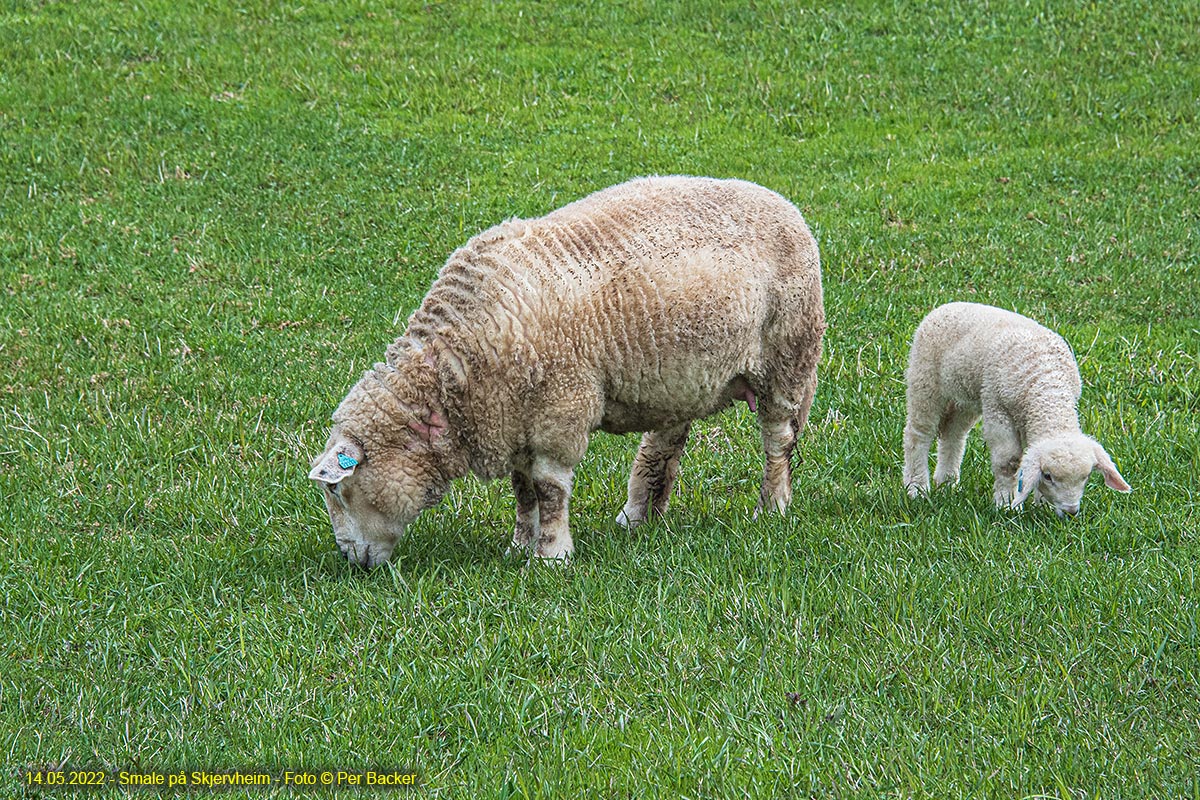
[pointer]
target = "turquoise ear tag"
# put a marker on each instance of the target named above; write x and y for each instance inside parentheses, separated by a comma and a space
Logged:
(1020, 479)
(346, 462)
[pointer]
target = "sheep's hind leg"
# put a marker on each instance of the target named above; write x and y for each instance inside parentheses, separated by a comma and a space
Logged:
(552, 485)
(527, 530)
(779, 439)
(782, 424)
(952, 442)
(652, 477)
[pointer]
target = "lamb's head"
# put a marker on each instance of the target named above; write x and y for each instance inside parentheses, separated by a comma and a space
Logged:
(1057, 469)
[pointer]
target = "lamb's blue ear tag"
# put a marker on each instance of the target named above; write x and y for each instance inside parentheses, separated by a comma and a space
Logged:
(1020, 478)
(346, 462)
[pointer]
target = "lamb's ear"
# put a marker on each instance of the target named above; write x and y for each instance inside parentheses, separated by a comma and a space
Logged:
(1112, 478)
(337, 463)
(1029, 475)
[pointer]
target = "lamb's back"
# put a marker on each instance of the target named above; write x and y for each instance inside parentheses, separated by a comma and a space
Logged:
(982, 350)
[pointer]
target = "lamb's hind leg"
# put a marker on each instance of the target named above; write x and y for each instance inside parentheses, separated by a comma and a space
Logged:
(952, 442)
(653, 474)
(920, 426)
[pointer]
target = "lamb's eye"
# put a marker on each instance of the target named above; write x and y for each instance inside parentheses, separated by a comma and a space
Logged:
(1047, 477)
(332, 488)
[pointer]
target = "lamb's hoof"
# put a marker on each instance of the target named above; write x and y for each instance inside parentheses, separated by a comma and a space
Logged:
(916, 490)
(1004, 499)
(629, 522)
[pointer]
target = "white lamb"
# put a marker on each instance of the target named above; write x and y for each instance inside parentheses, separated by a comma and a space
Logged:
(970, 360)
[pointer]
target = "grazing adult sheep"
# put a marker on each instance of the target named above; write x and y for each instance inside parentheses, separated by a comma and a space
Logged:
(970, 360)
(642, 307)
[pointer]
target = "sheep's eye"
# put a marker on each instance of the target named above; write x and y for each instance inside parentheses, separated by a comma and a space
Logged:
(1046, 476)
(332, 488)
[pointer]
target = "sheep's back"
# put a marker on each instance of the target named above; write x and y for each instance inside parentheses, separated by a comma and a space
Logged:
(646, 268)
(655, 295)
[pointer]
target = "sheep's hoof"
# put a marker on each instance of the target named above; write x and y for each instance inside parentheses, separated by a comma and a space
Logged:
(628, 522)
(775, 506)
(556, 550)
(1004, 499)
(561, 560)
(916, 490)
(516, 550)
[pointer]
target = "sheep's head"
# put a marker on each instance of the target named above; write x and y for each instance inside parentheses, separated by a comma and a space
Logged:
(388, 458)
(373, 492)
(1057, 470)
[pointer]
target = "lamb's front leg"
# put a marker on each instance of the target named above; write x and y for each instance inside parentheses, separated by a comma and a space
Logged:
(1005, 449)
(552, 485)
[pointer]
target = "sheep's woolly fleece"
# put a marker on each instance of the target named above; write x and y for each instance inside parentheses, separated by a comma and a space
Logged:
(639, 308)
(970, 361)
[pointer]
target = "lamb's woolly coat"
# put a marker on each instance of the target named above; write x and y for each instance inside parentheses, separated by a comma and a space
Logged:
(639, 308)
(970, 360)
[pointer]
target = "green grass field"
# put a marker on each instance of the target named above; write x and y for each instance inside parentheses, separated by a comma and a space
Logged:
(211, 221)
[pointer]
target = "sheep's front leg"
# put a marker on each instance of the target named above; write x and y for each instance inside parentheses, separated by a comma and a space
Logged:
(552, 485)
(653, 475)
(527, 530)
(1005, 450)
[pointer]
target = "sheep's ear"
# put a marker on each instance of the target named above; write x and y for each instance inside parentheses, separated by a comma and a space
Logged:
(1106, 467)
(430, 426)
(1028, 477)
(337, 463)
(399, 351)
